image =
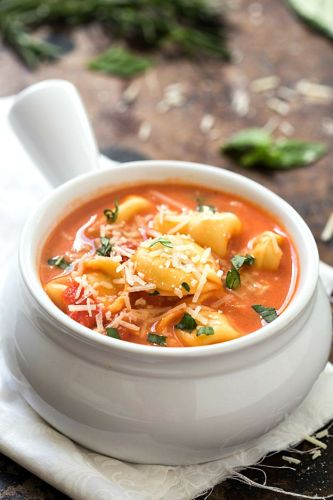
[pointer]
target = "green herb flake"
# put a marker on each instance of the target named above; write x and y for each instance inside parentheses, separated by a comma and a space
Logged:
(253, 148)
(239, 261)
(153, 338)
(268, 314)
(233, 280)
(163, 241)
(58, 261)
(186, 286)
(105, 249)
(112, 332)
(155, 292)
(112, 215)
(206, 208)
(187, 323)
(120, 62)
(205, 330)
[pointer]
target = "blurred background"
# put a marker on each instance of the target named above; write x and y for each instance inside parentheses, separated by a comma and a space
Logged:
(177, 79)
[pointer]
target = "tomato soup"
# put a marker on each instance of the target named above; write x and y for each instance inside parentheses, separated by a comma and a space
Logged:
(170, 265)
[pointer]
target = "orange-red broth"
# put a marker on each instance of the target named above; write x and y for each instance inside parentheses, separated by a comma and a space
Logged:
(278, 286)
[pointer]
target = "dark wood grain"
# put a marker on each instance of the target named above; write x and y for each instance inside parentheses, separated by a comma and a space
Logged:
(272, 44)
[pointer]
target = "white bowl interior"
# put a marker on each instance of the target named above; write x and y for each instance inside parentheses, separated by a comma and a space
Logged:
(81, 189)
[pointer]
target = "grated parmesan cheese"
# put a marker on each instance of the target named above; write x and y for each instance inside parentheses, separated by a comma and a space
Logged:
(130, 326)
(201, 284)
(82, 307)
(291, 460)
(316, 442)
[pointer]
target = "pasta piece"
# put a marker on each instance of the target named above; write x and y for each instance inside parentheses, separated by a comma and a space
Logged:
(266, 250)
(132, 206)
(214, 230)
(173, 264)
(55, 290)
(218, 322)
(208, 229)
(105, 265)
(101, 272)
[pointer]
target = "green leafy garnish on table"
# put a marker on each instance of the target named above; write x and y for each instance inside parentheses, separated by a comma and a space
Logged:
(268, 314)
(187, 323)
(120, 62)
(112, 332)
(233, 279)
(112, 215)
(317, 13)
(153, 338)
(193, 28)
(106, 248)
(58, 261)
(255, 147)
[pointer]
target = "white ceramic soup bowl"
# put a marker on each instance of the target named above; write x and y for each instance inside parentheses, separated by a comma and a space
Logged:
(155, 404)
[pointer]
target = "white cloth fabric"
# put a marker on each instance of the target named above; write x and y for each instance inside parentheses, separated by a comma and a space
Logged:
(80, 473)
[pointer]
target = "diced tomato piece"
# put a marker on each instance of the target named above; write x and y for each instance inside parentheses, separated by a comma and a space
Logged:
(81, 317)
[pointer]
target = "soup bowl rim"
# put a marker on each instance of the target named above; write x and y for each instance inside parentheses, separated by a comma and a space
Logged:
(29, 272)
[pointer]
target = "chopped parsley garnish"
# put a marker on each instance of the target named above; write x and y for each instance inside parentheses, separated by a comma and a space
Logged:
(187, 323)
(164, 241)
(153, 338)
(268, 314)
(233, 280)
(112, 215)
(58, 261)
(205, 330)
(155, 292)
(113, 332)
(206, 208)
(105, 249)
(186, 286)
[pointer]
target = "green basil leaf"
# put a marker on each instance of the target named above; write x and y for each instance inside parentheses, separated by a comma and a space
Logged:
(268, 314)
(187, 323)
(246, 140)
(239, 261)
(120, 62)
(186, 286)
(105, 249)
(112, 332)
(112, 215)
(232, 280)
(153, 338)
(58, 261)
(255, 148)
(287, 154)
(164, 241)
(205, 330)
(206, 208)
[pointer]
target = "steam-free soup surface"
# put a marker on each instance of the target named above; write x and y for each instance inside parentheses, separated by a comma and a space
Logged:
(170, 265)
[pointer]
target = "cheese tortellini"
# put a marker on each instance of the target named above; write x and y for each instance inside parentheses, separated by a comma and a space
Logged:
(56, 288)
(219, 325)
(131, 206)
(266, 250)
(208, 229)
(175, 265)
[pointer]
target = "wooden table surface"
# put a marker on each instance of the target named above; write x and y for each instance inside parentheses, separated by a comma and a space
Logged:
(266, 39)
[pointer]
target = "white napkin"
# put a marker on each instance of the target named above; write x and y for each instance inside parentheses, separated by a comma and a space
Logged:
(80, 473)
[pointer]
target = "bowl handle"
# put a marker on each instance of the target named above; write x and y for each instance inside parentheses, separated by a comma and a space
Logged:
(51, 123)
